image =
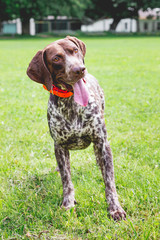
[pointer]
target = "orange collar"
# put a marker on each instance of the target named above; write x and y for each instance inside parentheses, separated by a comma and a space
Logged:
(59, 92)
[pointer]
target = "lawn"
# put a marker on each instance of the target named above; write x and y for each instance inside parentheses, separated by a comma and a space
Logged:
(128, 69)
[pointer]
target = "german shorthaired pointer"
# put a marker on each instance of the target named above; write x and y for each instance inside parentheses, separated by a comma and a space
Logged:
(75, 114)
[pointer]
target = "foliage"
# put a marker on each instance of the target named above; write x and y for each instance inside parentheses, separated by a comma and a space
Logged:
(24, 9)
(30, 188)
(38, 9)
(70, 8)
(3, 13)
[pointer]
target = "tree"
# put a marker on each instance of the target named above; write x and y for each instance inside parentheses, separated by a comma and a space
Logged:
(26, 9)
(118, 9)
(38, 9)
(113, 9)
(69, 8)
(23, 9)
(4, 14)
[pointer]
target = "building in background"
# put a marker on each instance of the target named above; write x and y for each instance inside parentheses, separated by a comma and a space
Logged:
(149, 22)
(12, 27)
(47, 25)
(60, 24)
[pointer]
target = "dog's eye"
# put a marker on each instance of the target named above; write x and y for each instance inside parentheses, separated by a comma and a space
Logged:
(56, 59)
(76, 50)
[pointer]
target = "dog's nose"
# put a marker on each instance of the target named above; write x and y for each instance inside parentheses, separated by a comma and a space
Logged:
(78, 70)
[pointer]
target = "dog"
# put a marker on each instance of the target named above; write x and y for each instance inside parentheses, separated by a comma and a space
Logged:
(75, 114)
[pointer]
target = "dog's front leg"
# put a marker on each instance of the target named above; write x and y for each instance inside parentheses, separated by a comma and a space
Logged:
(62, 157)
(105, 161)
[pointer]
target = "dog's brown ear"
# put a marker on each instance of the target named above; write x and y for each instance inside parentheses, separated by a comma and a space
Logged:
(38, 72)
(78, 43)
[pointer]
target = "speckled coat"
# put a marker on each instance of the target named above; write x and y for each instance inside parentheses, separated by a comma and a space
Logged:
(73, 126)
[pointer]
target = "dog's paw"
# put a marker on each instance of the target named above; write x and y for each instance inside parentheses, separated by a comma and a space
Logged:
(68, 203)
(117, 213)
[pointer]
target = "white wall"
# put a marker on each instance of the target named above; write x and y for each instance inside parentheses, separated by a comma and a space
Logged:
(19, 26)
(98, 26)
(125, 25)
(32, 27)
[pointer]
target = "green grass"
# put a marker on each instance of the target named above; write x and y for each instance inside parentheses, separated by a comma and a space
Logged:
(128, 70)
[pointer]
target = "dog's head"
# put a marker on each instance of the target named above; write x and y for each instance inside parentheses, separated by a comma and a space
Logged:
(61, 63)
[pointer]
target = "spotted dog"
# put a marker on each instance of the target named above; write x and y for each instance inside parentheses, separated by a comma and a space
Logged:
(75, 114)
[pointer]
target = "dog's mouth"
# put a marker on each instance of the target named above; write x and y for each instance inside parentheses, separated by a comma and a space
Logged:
(65, 86)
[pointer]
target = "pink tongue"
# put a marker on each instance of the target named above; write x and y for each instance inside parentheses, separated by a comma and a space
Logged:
(81, 94)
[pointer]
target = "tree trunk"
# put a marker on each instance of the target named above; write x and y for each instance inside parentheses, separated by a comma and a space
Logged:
(0, 27)
(138, 25)
(114, 24)
(25, 27)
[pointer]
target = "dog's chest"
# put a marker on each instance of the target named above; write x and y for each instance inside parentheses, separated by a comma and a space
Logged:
(70, 124)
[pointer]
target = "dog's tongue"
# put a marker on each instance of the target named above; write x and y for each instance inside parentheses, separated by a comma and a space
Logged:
(81, 94)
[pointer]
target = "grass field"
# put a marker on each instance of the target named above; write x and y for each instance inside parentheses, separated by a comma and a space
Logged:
(128, 70)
